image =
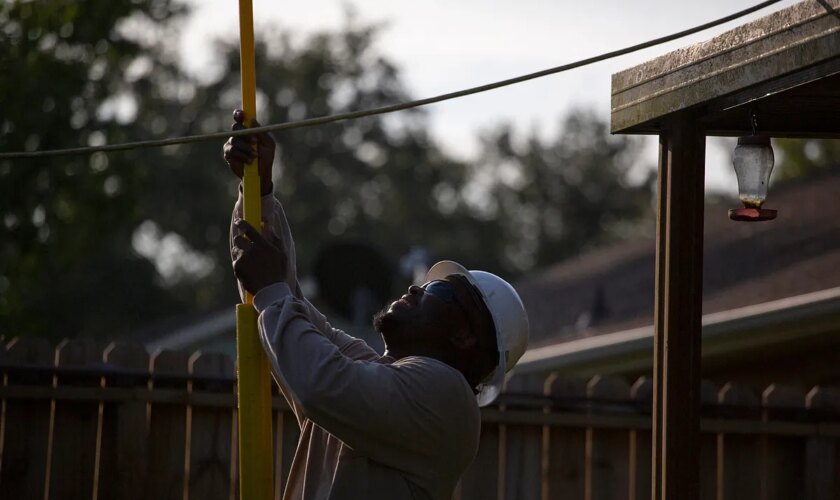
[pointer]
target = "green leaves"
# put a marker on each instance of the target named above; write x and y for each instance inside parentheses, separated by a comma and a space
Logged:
(556, 198)
(65, 223)
(799, 158)
(106, 245)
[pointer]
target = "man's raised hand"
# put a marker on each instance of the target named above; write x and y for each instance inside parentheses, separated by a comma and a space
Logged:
(256, 262)
(238, 151)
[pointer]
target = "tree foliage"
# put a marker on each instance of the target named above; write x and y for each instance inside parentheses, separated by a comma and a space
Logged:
(558, 198)
(103, 245)
(799, 158)
(67, 222)
(379, 179)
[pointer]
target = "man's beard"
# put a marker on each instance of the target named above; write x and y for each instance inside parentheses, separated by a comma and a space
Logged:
(384, 322)
(391, 327)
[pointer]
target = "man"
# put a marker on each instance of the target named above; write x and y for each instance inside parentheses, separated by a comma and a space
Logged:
(400, 426)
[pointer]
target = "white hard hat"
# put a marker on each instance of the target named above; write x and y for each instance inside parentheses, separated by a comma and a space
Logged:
(509, 318)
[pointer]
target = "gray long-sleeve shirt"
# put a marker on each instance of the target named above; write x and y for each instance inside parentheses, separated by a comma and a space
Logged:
(371, 427)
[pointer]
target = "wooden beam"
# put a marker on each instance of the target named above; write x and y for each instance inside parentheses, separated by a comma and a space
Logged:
(678, 310)
(775, 50)
(806, 110)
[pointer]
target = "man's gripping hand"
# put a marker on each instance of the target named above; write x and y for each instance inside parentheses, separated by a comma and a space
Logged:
(256, 262)
(240, 150)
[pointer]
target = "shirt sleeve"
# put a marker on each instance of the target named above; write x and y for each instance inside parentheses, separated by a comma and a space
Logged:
(276, 230)
(399, 414)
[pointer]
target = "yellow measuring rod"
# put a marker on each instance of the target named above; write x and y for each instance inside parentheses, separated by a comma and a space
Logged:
(253, 375)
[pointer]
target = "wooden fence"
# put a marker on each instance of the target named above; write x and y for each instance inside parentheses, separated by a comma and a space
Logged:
(82, 422)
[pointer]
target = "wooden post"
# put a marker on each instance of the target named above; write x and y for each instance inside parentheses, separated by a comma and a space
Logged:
(26, 424)
(74, 462)
(822, 459)
(566, 474)
(477, 481)
(287, 433)
(167, 431)
(677, 312)
(124, 426)
(211, 435)
(783, 458)
(739, 455)
(524, 445)
(501, 450)
(607, 450)
(709, 441)
(641, 393)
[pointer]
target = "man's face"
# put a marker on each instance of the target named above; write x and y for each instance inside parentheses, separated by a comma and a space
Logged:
(424, 318)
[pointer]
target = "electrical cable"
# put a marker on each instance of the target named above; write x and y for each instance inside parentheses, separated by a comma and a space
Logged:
(322, 120)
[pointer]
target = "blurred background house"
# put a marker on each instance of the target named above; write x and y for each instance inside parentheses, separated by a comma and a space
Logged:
(771, 302)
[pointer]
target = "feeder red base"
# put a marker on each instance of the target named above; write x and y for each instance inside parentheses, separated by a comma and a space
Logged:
(751, 214)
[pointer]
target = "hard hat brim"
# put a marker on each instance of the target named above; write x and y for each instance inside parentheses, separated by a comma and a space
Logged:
(487, 392)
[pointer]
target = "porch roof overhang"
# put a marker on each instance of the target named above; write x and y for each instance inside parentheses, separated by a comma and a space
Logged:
(784, 69)
(805, 318)
(786, 66)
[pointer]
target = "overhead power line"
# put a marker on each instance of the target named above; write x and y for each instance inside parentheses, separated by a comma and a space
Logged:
(321, 120)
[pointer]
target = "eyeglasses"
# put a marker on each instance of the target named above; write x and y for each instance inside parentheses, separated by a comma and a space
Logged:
(441, 289)
(445, 291)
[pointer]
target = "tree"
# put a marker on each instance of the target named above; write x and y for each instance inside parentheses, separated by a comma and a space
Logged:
(103, 245)
(798, 158)
(65, 245)
(561, 197)
(378, 179)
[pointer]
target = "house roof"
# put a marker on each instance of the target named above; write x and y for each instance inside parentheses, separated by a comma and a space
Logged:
(612, 289)
(773, 326)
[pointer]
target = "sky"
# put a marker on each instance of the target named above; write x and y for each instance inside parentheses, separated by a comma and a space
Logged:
(441, 46)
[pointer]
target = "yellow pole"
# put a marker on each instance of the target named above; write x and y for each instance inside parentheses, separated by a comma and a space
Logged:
(254, 379)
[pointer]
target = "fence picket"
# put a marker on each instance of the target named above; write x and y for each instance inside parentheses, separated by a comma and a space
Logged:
(211, 434)
(565, 474)
(475, 482)
(74, 463)
(26, 424)
(286, 435)
(641, 393)
(739, 455)
(277, 422)
(783, 457)
(608, 450)
(822, 462)
(708, 442)
(167, 430)
(480, 479)
(124, 426)
(523, 475)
